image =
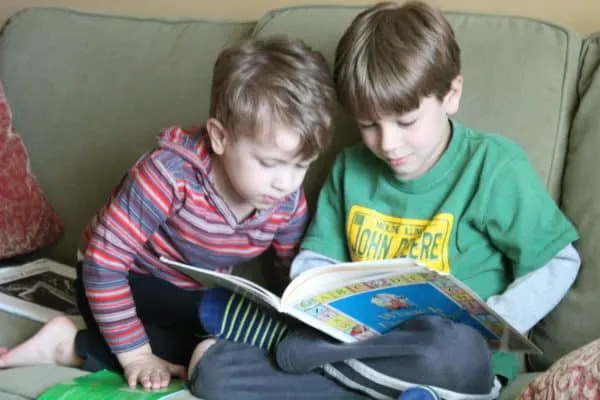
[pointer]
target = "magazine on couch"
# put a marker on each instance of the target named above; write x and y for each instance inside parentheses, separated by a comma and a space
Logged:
(38, 290)
(356, 301)
(105, 384)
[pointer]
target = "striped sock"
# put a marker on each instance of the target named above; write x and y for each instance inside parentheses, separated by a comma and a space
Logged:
(233, 317)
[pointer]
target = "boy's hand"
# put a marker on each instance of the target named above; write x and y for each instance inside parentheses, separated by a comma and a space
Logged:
(152, 372)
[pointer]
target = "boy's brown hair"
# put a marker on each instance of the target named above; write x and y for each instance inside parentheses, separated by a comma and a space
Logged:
(274, 80)
(392, 56)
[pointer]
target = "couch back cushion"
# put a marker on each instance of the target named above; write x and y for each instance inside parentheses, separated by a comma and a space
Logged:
(576, 320)
(519, 79)
(90, 93)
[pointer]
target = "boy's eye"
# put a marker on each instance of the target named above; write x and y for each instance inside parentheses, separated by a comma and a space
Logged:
(266, 164)
(366, 125)
(405, 124)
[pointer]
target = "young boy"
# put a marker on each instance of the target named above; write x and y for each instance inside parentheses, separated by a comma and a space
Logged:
(461, 201)
(214, 197)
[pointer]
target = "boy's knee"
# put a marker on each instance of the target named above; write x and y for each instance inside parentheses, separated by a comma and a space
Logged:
(228, 370)
(209, 375)
(461, 359)
(198, 353)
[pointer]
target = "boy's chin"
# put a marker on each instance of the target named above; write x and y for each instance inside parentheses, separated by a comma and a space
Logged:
(261, 204)
(405, 174)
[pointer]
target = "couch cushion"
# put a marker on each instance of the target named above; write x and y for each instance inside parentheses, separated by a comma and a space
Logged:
(520, 77)
(90, 93)
(10, 396)
(576, 320)
(15, 328)
(21, 381)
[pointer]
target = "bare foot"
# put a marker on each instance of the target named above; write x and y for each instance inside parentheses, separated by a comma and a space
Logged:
(54, 343)
(198, 353)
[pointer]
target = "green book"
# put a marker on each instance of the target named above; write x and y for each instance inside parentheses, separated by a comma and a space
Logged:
(106, 384)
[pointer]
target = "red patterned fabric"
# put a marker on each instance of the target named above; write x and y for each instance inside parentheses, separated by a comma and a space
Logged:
(27, 220)
(576, 376)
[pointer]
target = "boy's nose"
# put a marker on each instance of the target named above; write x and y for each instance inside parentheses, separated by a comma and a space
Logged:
(388, 140)
(282, 184)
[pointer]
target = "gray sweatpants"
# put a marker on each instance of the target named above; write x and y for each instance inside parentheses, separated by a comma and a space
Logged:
(452, 358)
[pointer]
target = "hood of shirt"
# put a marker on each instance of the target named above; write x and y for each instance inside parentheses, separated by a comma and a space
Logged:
(188, 144)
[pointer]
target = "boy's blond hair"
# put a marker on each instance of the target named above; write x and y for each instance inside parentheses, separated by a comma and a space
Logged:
(259, 83)
(392, 56)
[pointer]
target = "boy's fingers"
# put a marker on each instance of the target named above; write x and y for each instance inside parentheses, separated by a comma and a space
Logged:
(165, 377)
(144, 378)
(151, 379)
(132, 378)
(155, 378)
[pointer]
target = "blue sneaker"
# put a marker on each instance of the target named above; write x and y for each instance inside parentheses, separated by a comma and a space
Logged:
(419, 393)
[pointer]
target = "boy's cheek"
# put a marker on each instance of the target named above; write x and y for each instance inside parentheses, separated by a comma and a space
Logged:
(303, 176)
(370, 141)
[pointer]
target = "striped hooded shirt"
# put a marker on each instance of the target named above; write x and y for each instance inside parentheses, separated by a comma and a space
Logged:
(167, 205)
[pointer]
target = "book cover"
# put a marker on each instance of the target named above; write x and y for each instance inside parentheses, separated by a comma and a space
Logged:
(373, 306)
(106, 384)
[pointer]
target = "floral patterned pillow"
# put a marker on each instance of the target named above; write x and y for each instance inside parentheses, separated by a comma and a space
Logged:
(27, 220)
(574, 376)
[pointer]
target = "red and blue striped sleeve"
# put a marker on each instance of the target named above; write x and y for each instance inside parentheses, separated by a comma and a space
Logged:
(144, 200)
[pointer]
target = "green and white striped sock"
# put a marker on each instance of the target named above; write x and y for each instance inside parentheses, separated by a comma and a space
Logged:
(233, 317)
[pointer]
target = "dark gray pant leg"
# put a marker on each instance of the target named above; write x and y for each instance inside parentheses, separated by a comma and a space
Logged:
(239, 371)
(425, 350)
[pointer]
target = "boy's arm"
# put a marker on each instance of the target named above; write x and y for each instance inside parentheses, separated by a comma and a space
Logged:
(527, 226)
(307, 260)
(144, 200)
(531, 297)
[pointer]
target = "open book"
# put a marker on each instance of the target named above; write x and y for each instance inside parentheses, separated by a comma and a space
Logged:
(356, 301)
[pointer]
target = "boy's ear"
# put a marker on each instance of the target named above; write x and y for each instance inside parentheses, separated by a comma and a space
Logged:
(452, 99)
(217, 135)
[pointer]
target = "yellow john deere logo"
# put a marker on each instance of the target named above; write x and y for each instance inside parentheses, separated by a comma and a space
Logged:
(376, 236)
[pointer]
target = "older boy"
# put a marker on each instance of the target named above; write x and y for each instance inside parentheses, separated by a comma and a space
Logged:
(462, 201)
(216, 197)
(482, 212)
